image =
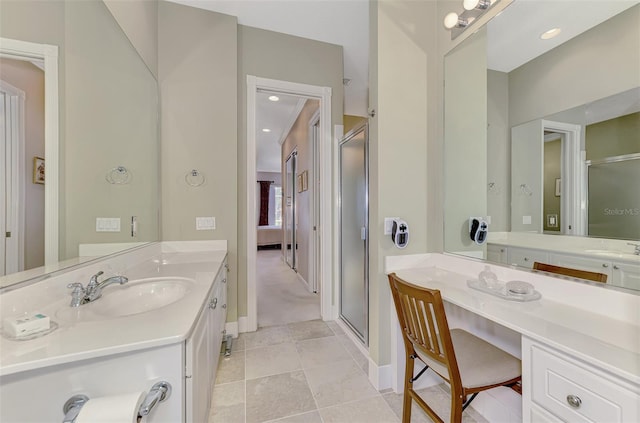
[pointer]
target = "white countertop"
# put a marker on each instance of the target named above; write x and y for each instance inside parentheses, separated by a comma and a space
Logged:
(78, 339)
(596, 248)
(599, 326)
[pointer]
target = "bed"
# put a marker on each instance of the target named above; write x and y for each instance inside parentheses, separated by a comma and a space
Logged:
(270, 236)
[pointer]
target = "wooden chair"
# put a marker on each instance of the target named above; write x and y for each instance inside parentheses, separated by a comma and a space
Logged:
(574, 273)
(468, 363)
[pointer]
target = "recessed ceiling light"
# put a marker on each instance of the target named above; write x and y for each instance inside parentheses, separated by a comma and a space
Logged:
(274, 98)
(550, 33)
(266, 130)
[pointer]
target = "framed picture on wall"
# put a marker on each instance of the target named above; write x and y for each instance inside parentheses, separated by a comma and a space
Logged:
(38, 170)
(558, 187)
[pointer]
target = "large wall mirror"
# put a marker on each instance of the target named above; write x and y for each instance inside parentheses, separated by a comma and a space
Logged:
(107, 167)
(542, 138)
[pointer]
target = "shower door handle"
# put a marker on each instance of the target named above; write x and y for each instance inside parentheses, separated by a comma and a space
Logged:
(363, 233)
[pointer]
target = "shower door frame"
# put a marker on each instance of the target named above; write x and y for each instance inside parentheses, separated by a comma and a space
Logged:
(364, 337)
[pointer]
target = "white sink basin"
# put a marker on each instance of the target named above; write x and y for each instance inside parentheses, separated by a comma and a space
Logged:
(140, 296)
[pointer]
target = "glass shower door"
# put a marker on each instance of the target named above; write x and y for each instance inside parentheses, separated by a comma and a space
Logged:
(354, 209)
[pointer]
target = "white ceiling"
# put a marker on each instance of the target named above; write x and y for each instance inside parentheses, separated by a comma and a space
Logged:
(277, 116)
(342, 22)
(513, 36)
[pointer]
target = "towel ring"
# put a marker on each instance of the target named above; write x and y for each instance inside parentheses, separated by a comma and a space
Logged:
(118, 176)
(194, 178)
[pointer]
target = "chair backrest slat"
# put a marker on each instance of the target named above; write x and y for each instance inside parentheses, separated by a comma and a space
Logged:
(424, 323)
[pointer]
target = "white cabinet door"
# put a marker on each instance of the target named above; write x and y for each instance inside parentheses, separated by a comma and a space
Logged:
(525, 257)
(626, 275)
(217, 317)
(497, 253)
(198, 371)
(572, 390)
(582, 263)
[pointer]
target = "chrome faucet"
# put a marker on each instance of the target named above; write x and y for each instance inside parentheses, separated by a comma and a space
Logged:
(81, 295)
(637, 245)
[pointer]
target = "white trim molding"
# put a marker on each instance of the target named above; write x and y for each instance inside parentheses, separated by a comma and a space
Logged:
(323, 94)
(23, 50)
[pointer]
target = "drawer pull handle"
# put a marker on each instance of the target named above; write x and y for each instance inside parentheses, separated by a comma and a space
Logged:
(526, 259)
(615, 267)
(224, 280)
(605, 265)
(574, 401)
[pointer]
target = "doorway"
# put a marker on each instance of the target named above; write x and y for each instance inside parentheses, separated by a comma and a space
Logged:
(47, 55)
(322, 258)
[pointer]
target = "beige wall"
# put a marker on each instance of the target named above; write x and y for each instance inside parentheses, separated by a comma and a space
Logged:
(112, 112)
(197, 70)
(596, 64)
(613, 137)
(30, 79)
(401, 53)
(273, 55)
(465, 132)
(298, 139)
(351, 122)
(498, 151)
(139, 20)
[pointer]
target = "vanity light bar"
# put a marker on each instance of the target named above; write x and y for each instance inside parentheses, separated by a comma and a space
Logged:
(473, 9)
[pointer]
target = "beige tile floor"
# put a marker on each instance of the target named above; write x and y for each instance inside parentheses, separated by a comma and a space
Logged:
(307, 372)
(282, 297)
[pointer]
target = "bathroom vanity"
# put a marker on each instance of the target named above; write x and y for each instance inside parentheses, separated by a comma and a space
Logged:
(614, 258)
(165, 324)
(579, 343)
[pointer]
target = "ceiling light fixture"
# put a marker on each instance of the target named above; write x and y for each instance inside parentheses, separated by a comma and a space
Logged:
(274, 98)
(550, 33)
(266, 130)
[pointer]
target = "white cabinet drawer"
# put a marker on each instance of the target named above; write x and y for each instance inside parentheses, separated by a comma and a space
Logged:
(525, 257)
(573, 392)
(539, 415)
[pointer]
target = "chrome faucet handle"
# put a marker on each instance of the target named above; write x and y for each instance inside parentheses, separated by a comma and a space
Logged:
(94, 279)
(78, 293)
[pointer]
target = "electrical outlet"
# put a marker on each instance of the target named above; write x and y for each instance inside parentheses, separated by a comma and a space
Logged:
(205, 223)
(107, 224)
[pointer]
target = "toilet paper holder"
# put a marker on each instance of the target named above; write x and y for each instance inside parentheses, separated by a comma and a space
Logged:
(158, 393)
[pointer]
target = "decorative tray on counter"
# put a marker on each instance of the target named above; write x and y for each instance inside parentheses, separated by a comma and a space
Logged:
(512, 290)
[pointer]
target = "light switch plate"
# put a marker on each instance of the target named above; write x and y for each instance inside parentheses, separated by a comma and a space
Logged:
(526, 220)
(107, 224)
(205, 223)
(388, 224)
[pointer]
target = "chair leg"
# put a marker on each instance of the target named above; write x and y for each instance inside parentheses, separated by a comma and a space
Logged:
(456, 408)
(408, 386)
(467, 402)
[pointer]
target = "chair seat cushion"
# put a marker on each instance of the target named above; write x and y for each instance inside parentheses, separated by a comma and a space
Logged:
(480, 363)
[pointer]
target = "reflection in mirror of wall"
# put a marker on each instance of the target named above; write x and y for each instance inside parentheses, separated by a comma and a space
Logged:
(579, 95)
(108, 119)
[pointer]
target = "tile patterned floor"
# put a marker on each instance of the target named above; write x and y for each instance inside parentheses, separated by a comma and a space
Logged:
(307, 372)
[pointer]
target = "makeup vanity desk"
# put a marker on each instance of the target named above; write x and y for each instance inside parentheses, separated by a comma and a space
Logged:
(579, 343)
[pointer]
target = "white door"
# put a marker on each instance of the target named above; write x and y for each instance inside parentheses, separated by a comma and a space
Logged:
(10, 207)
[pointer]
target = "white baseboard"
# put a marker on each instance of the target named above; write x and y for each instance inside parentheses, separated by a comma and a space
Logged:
(243, 324)
(231, 328)
(379, 376)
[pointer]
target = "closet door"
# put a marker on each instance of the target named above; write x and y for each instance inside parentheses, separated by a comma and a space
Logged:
(290, 211)
(354, 210)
